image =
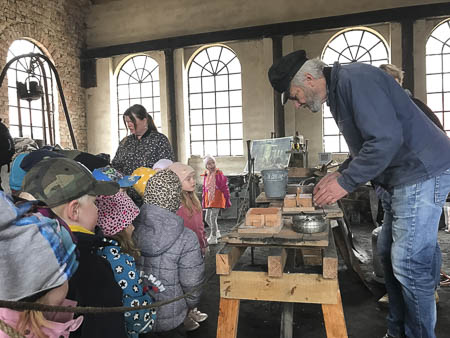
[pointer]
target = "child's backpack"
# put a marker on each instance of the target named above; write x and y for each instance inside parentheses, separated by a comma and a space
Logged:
(7, 148)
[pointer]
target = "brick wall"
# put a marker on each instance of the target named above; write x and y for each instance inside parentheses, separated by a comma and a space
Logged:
(58, 28)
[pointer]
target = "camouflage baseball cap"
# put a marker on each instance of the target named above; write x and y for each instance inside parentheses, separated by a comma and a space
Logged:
(56, 181)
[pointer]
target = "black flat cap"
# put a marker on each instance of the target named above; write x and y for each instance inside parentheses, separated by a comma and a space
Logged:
(283, 71)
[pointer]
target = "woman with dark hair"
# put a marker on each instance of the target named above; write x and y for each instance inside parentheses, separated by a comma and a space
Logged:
(144, 147)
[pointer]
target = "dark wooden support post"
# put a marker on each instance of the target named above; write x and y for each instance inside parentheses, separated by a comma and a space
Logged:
(408, 53)
(278, 109)
(171, 107)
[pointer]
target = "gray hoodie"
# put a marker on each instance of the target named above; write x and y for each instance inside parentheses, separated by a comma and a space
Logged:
(172, 254)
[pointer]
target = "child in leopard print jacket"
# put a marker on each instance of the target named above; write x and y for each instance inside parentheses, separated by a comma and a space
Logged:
(115, 216)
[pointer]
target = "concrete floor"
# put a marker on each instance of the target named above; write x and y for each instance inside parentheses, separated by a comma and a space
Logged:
(365, 318)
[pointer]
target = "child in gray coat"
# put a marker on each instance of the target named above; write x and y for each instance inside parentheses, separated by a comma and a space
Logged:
(169, 251)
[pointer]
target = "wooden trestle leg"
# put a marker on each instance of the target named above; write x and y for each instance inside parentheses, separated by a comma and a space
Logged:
(333, 316)
(227, 322)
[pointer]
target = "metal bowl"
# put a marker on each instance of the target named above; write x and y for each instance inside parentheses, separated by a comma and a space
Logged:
(309, 224)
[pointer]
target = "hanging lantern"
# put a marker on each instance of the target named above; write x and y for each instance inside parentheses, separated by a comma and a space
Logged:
(31, 89)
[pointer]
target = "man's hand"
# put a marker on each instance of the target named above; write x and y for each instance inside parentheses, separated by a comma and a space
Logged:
(328, 190)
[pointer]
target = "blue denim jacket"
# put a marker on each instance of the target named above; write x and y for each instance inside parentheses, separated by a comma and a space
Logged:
(391, 141)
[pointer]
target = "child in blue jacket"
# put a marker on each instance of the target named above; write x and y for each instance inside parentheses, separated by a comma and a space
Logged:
(115, 216)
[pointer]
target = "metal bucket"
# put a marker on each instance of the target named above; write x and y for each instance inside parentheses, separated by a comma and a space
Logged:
(275, 182)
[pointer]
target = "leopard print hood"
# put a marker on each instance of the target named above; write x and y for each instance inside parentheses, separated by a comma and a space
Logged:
(164, 190)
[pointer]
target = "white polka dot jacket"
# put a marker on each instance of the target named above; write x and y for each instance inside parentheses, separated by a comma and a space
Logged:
(134, 153)
(129, 280)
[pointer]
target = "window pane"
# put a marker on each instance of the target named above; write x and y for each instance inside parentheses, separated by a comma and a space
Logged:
(14, 130)
(222, 82)
(236, 131)
(195, 101)
(237, 148)
(13, 116)
(434, 64)
(208, 84)
(223, 115)
(235, 81)
(331, 144)
(12, 96)
(344, 147)
(135, 90)
(195, 85)
(447, 102)
(446, 82)
(209, 116)
(330, 127)
(157, 120)
(222, 99)
(123, 105)
(211, 148)
(37, 118)
(209, 100)
(122, 92)
(210, 132)
(25, 114)
(236, 98)
(224, 148)
(223, 131)
(434, 101)
(236, 114)
(38, 133)
(197, 148)
(26, 131)
(196, 133)
(147, 89)
(196, 116)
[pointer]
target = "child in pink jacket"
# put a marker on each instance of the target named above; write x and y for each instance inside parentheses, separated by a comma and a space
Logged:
(192, 213)
(216, 196)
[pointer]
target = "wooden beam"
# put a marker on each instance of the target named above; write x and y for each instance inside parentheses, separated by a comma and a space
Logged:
(257, 32)
(227, 323)
(276, 262)
(278, 108)
(333, 316)
(227, 258)
(408, 53)
(171, 106)
(330, 259)
(293, 287)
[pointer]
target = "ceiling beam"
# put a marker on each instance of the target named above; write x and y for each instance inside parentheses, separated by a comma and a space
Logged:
(279, 29)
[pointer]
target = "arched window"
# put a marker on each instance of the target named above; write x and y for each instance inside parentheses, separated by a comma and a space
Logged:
(438, 73)
(215, 103)
(138, 83)
(30, 118)
(350, 45)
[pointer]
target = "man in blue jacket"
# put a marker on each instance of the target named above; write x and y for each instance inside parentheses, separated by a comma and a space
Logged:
(394, 145)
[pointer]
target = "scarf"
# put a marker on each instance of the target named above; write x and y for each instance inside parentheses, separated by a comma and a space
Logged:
(211, 185)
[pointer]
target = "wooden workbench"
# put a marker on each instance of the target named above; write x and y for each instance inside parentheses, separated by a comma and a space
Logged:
(276, 284)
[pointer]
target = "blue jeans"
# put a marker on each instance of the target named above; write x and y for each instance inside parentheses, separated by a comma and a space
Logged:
(410, 254)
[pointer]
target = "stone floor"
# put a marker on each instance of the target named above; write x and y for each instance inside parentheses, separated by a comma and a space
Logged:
(365, 318)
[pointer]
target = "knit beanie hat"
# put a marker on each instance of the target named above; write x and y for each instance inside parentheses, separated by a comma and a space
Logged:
(145, 174)
(182, 170)
(207, 159)
(162, 164)
(164, 190)
(37, 253)
(115, 212)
